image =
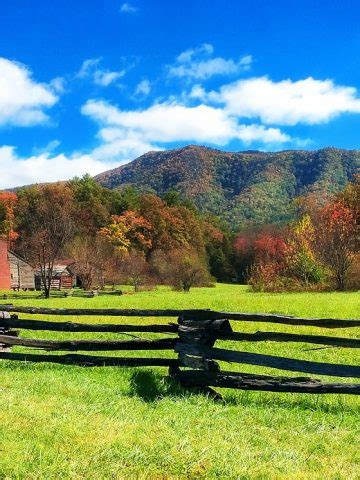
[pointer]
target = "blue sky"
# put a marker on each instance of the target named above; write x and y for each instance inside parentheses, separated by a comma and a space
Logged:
(88, 85)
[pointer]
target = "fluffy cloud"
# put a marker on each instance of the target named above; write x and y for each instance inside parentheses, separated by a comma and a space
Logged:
(58, 85)
(286, 102)
(44, 167)
(171, 122)
(128, 8)
(104, 78)
(22, 100)
(199, 64)
(143, 88)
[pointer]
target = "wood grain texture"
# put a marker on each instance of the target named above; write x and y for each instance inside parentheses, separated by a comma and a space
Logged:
(89, 345)
(281, 363)
(195, 314)
(84, 327)
(90, 360)
(190, 378)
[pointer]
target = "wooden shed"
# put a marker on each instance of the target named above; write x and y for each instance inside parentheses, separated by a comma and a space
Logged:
(63, 277)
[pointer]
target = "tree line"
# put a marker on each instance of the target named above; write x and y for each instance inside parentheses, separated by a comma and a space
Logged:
(317, 251)
(125, 236)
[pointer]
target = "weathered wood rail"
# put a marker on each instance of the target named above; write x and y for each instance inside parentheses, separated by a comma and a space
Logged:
(192, 338)
(36, 295)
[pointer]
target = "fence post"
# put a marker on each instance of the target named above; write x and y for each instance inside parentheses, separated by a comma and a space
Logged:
(7, 331)
(195, 333)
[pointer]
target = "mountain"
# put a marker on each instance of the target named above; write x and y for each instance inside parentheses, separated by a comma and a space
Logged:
(249, 187)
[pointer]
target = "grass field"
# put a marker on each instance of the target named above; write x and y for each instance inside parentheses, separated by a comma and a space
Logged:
(112, 423)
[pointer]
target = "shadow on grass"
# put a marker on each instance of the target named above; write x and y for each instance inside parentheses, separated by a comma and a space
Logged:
(152, 387)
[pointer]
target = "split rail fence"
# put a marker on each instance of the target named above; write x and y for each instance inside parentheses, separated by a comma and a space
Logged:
(35, 295)
(192, 338)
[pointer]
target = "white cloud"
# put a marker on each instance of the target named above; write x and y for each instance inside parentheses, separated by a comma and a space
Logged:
(143, 88)
(16, 171)
(104, 78)
(198, 92)
(88, 66)
(58, 84)
(199, 64)
(101, 77)
(164, 123)
(128, 8)
(187, 55)
(22, 100)
(48, 148)
(286, 102)
(120, 147)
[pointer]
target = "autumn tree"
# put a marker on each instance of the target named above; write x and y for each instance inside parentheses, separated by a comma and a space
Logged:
(336, 239)
(301, 262)
(172, 226)
(45, 222)
(95, 261)
(243, 254)
(8, 203)
(181, 268)
(127, 231)
(135, 270)
(350, 196)
(269, 261)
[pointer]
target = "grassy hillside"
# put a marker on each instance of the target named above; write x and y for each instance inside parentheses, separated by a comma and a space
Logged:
(71, 423)
(246, 187)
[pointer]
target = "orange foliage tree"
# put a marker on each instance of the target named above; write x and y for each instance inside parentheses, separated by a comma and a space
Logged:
(46, 223)
(8, 203)
(129, 230)
(172, 226)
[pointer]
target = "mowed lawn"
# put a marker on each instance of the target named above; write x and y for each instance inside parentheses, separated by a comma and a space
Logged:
(66, 422)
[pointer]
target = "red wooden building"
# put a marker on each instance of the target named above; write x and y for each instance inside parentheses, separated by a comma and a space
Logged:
(5, 279)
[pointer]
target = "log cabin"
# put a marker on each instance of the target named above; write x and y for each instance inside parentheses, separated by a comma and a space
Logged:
(63, 277)
(15, 272)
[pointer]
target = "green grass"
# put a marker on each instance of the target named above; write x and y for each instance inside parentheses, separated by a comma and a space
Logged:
(105, 423)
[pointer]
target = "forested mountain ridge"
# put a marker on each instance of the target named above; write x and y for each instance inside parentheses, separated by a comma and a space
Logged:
(250, 187)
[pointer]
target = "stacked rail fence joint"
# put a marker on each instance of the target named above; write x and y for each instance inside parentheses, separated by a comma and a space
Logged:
(192, 338)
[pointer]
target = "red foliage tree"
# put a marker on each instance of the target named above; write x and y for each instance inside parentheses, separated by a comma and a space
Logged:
(270, 248)
(336, 239)
(269, 261)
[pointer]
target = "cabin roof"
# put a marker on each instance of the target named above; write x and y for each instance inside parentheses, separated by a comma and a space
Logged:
(61, 267)
(11, 252)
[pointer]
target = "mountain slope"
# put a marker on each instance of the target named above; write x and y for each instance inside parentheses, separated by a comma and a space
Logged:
(245, 187)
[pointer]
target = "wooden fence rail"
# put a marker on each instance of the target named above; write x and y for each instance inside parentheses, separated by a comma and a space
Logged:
(192, 338)
(193, 315)
(36, 295)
